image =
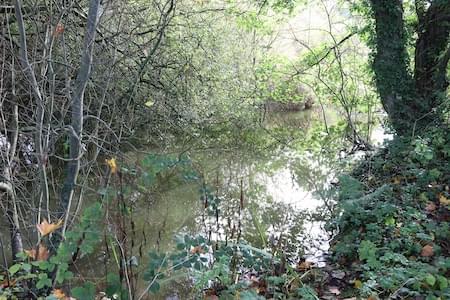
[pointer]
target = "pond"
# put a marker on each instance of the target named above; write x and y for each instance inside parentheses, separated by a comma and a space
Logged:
(275, 199)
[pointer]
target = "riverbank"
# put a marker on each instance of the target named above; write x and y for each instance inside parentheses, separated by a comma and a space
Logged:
(393, 225)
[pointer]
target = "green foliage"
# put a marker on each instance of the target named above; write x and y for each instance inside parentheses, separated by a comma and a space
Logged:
(399, 213)
(36, 276)
(87, 291)
(350, 188)
(368, 251)
(216, 266)
(275, 85)
(340, 77)
(307, 293)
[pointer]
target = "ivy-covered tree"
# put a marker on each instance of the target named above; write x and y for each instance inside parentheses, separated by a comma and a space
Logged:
(412, 98)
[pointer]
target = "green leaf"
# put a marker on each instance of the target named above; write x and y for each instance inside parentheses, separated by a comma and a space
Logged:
(14, 269)
(85, 292)
(443, 282)
(435, 173)
(390, 221)
(63, 275)
(113, 284)
(22, 256)
(26, 267)
(197, 266)
(367, 251)
(430, 279)
(43, 281)
(155, 287)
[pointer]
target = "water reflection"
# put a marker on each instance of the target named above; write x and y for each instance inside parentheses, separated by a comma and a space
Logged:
(275, 200)
(270, 199)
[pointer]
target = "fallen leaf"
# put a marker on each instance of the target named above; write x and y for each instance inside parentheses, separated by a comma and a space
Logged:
(42, 253)
(112, 165)
(396, 180)
(358, 284)
(59, 294)
(443, 200)
(427, 251)
(338, 274)
(46, 228)
(197, 250)
(305, 265)
(210, 294)
(6, 283)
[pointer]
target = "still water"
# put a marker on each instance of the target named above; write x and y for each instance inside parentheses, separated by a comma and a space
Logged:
(274, 196)
(264, 197)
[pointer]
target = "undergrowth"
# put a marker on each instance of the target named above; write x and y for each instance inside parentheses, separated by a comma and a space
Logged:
(393, 222)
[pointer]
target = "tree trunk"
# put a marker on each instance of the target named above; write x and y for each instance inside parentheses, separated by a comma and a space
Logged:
(411, 102)
(76, 129)
(431, 56)
(394, 82)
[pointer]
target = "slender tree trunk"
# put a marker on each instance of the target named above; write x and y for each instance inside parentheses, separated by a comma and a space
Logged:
(16, 238)
(13, 214)
(76, 129)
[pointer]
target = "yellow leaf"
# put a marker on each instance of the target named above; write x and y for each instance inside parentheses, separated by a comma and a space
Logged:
(443, 200)
(41, 253)
(149, 103)
(112, 165)
(46, 228)
(59, 294)
(358, 284)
